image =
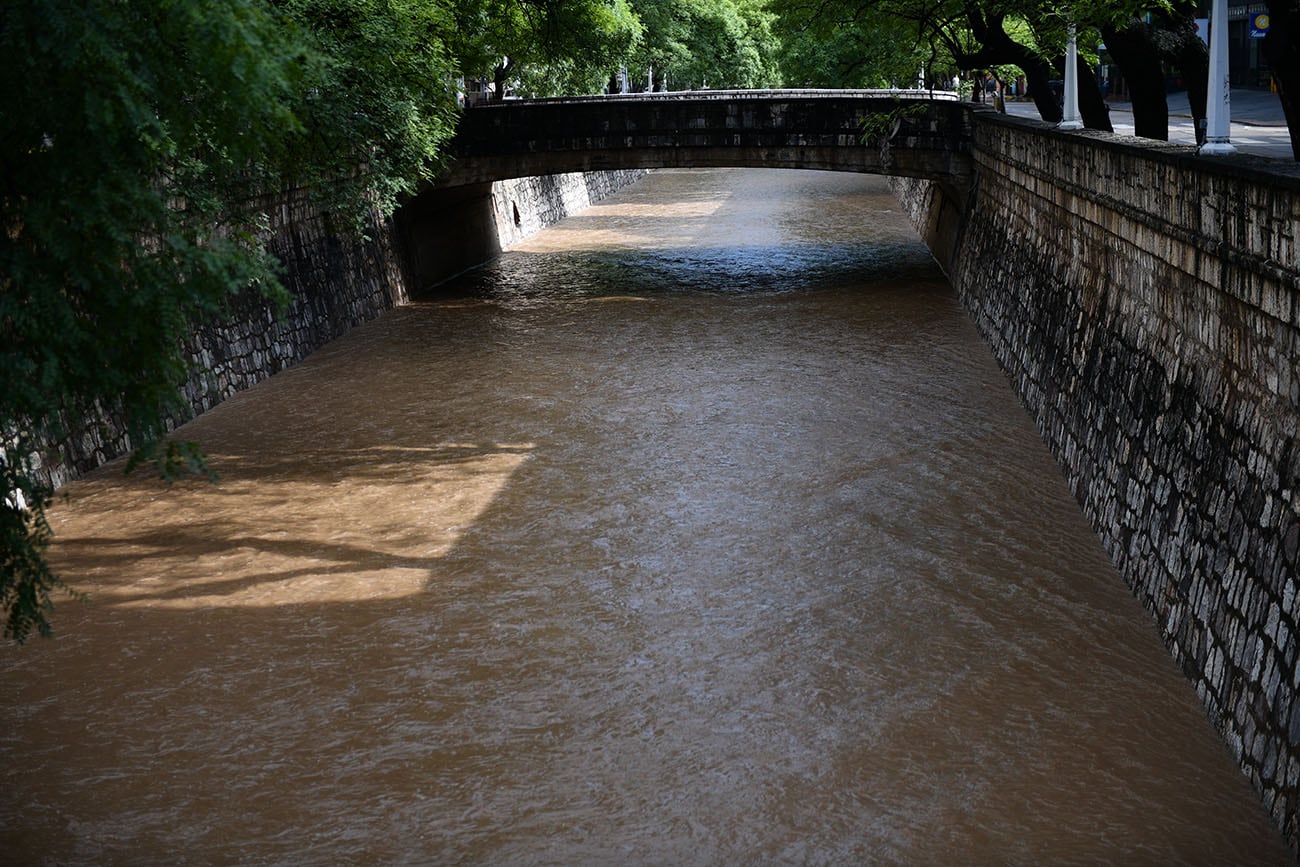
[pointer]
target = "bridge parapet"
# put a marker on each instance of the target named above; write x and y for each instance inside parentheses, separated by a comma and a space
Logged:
(905, 133)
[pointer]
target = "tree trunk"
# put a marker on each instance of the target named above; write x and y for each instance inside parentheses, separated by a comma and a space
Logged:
(1193, 57)
(1140, 45)
(1282, 50)
(1039, 76)
(999, 48)
(500, 76)
(1134, 52)
(1092, 108)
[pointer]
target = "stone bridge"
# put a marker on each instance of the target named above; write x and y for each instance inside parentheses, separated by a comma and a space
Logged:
(892, 132)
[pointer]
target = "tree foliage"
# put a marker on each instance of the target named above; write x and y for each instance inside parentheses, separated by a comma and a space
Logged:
(874, 41)
(136, 137)
(124, 153)
(378, 101)
(695, 44)
(544, 47)
(850, 45)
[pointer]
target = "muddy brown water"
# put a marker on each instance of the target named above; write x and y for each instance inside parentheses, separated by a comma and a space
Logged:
(700, 529)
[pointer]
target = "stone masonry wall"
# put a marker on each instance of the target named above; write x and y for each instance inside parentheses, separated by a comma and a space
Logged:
(1145, 304)
(524, 206)
(336, 283)
(447, 230)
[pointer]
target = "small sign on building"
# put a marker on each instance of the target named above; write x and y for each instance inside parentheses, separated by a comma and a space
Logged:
(1259, 25)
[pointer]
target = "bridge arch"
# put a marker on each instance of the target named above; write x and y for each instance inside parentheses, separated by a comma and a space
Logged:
(451, 225)
(890, 132)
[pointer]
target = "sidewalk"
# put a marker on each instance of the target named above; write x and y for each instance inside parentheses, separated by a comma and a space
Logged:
(1250, 107)
(1258, 126)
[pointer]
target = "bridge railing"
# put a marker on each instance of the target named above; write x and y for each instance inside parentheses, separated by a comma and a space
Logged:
(731, 95)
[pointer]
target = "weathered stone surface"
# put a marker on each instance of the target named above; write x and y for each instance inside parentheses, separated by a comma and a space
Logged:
(1143, 302)
(336, 282)
(524, 206)
(914, 137)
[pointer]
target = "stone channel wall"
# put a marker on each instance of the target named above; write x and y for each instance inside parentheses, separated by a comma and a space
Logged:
(1145, 304)
(524, 206)
(447, 230)
(336, 283)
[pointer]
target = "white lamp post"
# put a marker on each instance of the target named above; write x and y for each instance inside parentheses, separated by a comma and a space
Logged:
(1218, 109)
(1072, 120)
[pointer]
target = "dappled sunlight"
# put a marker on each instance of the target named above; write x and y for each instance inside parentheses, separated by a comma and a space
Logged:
(626, 236)
(657, 212)
(629, 221)
(332, 526)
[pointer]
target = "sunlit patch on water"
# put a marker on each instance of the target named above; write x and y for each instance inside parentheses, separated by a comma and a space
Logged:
(362, 525)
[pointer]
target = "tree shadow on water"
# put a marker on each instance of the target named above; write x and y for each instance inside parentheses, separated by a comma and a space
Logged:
(329, 525)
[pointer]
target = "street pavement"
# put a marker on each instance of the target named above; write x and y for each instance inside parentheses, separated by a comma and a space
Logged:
(1258, 127)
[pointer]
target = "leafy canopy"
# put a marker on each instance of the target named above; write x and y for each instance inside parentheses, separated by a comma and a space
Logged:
(136, 137)
(707, 43)
(544, 47)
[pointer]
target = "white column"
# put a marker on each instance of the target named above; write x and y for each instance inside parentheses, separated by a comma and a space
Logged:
(1218, 109)
(1073, 120)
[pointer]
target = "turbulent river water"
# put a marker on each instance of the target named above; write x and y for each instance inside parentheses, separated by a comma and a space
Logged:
(699, 529)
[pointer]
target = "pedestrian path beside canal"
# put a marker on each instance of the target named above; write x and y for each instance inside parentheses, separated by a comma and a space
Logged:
(1258, 125)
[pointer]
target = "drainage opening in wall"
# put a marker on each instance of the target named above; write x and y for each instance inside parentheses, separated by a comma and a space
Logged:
(515, 207)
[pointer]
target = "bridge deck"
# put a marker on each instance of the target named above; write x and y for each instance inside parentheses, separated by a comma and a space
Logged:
(725, 95)
(901, 132)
